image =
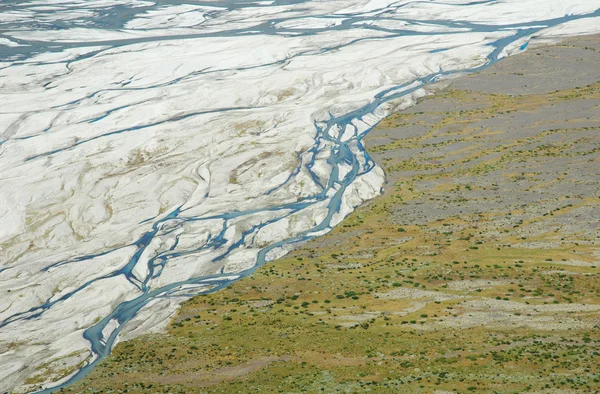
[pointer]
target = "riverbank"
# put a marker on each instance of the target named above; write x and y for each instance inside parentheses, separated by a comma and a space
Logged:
(477, 270)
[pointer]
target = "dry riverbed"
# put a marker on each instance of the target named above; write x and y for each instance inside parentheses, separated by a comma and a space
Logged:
(476, 271)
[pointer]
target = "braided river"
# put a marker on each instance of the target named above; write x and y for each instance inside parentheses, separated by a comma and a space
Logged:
(151, 151)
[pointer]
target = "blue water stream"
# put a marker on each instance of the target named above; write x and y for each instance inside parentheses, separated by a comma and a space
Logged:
(343, 153)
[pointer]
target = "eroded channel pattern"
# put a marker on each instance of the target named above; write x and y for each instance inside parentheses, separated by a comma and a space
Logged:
(151, 151)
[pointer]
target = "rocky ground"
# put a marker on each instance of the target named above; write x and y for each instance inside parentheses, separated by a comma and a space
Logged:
(476, 271)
